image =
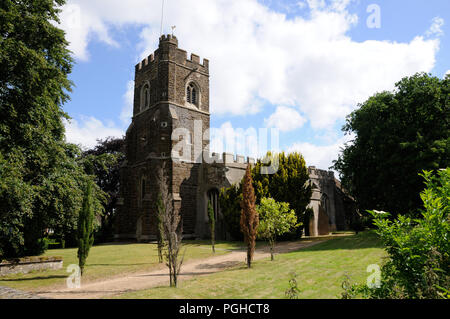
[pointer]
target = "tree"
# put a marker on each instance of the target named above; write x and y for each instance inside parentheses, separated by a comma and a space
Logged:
(397, 135)
(106, 158)
(289, 184)
(85, 227)
(230, 206)
(212, 224)
(172, 225)
(275, 219)
(249, 215)
(41, 184)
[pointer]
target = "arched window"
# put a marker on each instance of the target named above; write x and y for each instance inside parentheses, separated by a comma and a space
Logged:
(188, 94)
(192, 94)
(143, 189)
(145, 96)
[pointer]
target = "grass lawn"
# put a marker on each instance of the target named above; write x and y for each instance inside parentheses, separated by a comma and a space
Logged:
(320, 270)
(108, 261)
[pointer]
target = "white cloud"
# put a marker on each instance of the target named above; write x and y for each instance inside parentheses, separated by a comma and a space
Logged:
(127, 110)
(285, 119)
(436, 27)
(81, 23)
(239, 141)
(320, 156)
(258, 56)
(301, 4)
(88, 130)
(447, 73)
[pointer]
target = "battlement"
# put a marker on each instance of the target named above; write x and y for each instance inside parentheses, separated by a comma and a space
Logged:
(320, 173)
(168, 38)
(228, 158)
(176, 55)
(195, 59)
(148, 60)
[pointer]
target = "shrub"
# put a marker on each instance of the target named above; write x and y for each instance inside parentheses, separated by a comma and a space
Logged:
(293, 290)
(418, 250)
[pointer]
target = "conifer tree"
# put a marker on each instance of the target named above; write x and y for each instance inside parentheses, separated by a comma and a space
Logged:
(249, 215)
(212, 225)
(85, 227)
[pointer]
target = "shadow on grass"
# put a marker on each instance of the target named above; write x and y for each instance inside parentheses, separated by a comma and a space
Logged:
(35, 278)
(124, 265)
(366, 239)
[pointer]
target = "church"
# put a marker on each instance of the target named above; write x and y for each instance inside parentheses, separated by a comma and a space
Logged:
(171, 97)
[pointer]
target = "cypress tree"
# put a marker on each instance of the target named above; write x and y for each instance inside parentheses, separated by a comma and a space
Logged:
(249, 215)
(212, 225)
(85, 227)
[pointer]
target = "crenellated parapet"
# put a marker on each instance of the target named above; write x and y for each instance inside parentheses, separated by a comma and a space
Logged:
(229, 159)
(315, 173)
(168, 50)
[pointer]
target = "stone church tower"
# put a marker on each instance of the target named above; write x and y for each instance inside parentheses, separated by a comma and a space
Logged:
(160, 107)
(171, 98)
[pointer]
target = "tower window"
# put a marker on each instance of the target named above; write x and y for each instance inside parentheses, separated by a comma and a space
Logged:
(192, 94)
(143, 188)
(145, 96)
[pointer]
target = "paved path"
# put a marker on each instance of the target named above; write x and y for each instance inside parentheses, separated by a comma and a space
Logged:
(140, 281)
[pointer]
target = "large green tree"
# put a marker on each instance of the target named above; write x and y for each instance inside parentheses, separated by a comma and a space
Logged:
(105, 159)
(41, 178)
(397, 135)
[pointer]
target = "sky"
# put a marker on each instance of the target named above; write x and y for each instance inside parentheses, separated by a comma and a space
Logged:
(296, 66)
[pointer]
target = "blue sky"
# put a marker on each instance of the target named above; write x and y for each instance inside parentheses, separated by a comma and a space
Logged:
(298, 66)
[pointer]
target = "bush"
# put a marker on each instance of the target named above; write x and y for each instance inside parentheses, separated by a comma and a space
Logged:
(418, 250)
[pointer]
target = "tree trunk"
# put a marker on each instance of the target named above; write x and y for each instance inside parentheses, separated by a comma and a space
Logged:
(272, 246)
(249, 255)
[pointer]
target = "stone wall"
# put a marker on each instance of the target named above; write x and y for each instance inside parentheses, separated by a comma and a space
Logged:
(326, 202)
(25, 265)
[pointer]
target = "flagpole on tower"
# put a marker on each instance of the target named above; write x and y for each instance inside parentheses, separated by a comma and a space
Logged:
(162, 17)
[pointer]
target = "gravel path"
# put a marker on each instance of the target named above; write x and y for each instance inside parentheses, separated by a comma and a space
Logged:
(10, 293)
(140, 281)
